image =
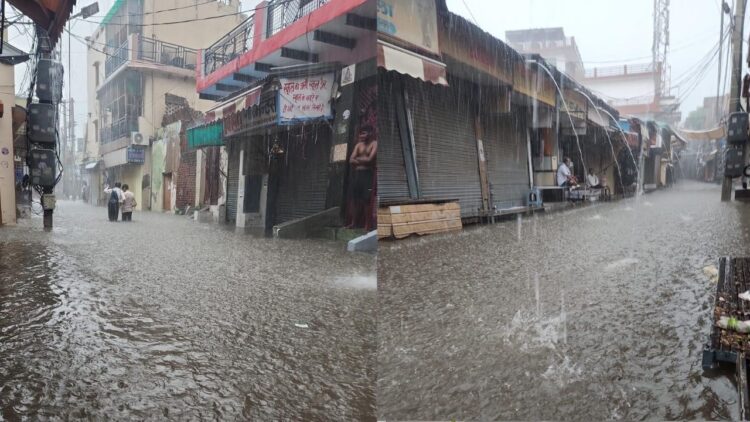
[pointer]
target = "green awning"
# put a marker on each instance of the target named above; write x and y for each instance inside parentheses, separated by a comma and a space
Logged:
(209, 135)
(112, 11)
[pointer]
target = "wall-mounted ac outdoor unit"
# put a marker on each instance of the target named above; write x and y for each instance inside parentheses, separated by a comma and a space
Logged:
(137, 138)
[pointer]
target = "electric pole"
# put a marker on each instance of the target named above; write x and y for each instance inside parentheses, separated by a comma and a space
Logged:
(735, 102)
(724, 9)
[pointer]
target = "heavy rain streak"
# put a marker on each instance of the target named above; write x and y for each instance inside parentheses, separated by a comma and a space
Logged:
(588, 314)
(143, 321)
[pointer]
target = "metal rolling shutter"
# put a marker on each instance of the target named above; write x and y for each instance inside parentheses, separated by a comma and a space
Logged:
(303, 181)
(392, 183)
(506, 152)
(447, 161)
(233, 181)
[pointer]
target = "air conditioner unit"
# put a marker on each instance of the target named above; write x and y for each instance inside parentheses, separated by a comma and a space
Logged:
(137, 138)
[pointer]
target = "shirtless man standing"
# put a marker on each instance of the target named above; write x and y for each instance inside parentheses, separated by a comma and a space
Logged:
(363, 162)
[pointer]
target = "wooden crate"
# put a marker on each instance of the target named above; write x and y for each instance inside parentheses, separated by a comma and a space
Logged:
(400, 221)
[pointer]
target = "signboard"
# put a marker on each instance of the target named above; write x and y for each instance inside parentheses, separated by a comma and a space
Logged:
(413, 21)
(136, 155)
(259, 115)
(305, 98)
(348, 75)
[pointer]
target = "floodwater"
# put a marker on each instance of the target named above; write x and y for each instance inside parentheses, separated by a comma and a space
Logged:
(587, 314)
(166, 318)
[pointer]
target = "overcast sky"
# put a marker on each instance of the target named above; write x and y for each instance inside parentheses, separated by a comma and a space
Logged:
(607, 32)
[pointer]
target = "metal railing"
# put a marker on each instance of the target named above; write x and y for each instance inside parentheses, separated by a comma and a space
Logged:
(230, 46)
(282, 13)
(120, 128)
(619, 70)
(644, 99)
(152, 50)
(165, 53)
(116, 59)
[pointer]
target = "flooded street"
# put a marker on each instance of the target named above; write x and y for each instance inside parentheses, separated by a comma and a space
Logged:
(165, 318)
(587, 314)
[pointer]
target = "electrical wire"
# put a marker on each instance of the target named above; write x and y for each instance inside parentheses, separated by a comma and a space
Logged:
(241, 12)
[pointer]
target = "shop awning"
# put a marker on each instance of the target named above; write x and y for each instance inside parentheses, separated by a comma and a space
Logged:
(49, 14)
(208, 135)
(703, 135)
(234, 105)
(397, 59)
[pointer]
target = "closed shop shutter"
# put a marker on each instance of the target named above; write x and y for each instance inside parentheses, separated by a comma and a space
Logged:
(303, 179)
(392, 182)
(506, 152)
(445, 141)
(233, 180)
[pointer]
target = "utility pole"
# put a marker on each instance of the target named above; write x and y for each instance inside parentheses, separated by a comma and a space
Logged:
(735, 102)
(724, 9)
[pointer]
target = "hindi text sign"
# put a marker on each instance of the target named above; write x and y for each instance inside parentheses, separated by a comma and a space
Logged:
(305, 98)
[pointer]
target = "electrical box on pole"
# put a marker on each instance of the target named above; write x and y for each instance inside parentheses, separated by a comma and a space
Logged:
(42, 123)
(49, 81)
(43, 167)
(737, 128)
(734, 162)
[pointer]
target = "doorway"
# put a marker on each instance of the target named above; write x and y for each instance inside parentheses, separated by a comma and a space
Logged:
(167, 192)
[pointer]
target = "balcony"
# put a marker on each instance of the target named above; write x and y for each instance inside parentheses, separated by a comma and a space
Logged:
(147, 50)
(283, 13)
(119, 129)
(116, 59)
(230, 46)
(280, 15)
(285, 33)
(620, 70)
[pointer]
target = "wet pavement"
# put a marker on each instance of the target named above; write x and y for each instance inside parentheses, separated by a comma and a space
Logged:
(588, 314)
(166, 318)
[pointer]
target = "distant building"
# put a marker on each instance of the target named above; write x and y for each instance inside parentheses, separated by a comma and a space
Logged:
(553, 45)
(633, 89)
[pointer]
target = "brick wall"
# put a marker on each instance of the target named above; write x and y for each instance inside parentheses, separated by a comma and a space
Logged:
(186, 180)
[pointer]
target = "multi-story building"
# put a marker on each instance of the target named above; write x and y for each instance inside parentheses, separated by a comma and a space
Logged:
(552, 44)
(633, 89)
(142, 57)
(293, 83)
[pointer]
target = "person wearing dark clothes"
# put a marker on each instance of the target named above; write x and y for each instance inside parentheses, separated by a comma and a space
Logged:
(113, 203)
(362, 161)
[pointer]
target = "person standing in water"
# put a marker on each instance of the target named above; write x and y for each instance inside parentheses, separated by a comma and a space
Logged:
(362, 161)
(128, 203)
(115, 199)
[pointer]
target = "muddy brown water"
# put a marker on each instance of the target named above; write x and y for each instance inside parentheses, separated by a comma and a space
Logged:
(592, 314)
(166, 318)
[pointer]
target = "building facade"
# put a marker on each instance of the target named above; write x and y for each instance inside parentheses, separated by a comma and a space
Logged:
(140, 59)
(486, 126)
(292, 85)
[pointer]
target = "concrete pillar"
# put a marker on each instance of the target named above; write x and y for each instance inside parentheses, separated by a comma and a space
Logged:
(7, 170)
